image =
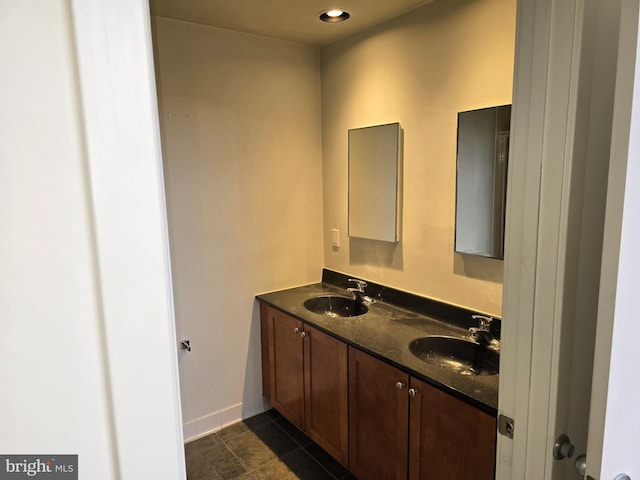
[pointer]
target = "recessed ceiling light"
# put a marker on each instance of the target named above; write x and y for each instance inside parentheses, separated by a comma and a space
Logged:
(334, 16)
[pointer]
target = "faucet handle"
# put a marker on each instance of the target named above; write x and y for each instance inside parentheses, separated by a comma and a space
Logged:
(484, 322)
(360, 283)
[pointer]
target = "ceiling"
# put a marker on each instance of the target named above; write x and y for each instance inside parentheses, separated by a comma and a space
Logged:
(293, 20)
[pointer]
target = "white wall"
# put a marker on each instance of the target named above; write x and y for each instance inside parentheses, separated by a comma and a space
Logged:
(53, 396)
(419, 69)
(87, 345)
(240, 118)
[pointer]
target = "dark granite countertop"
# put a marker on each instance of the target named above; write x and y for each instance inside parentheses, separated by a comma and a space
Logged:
(385, 331)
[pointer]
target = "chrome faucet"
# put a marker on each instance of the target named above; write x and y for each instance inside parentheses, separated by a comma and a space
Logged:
(482, 334)
(359, 290)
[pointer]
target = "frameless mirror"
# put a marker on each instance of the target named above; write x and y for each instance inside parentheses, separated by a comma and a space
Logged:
(481, 178)
(375, 182)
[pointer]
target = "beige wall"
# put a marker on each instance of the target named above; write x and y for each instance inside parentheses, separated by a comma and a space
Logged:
(250, 135)
(240, 118)
(419, 69)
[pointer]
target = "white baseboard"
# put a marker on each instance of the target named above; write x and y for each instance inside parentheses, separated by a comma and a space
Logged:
(215, 421)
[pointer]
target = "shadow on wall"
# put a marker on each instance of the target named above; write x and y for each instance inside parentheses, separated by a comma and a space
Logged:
(376, 253)
(483, 268)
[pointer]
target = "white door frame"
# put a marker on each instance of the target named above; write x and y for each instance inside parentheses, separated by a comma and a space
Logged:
(114, 61)
(542, 85)
(559, 102)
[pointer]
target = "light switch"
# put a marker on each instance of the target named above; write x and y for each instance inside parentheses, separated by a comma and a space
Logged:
(335, 238)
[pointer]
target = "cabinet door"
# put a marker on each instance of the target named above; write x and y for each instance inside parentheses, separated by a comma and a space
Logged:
(326, 393)
(450, 439)
(286, 366)
(265, 350)
(378, 418)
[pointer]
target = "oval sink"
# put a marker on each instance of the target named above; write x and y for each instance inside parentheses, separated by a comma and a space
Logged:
(457, 355)
(335, 306)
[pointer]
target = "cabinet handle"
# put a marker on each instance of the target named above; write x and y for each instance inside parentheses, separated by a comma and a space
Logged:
(399, 385)
(413, 392)
(296, 330)
(304, 334)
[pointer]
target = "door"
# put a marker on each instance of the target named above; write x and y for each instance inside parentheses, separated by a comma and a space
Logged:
(378, 418)
(286, 365)
(326, 393)
(449, 438)
(554, 298)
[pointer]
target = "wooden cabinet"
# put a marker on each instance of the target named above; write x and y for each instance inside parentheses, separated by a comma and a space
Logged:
(449, 439)
(396, 420)
(372, 417)
(378, 418)
(326, 393)
(286, 365)
(308, 382)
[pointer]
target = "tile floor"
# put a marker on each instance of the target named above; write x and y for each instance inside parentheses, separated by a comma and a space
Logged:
(264, 447)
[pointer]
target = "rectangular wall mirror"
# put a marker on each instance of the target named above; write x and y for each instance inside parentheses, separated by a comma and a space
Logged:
(481, 179)
(375, 182)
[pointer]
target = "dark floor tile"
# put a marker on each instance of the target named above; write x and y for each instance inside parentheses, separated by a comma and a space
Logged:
(244, 426)
(232, 431)
(273, 414)
(246, 476)
(258, 420)
(202, 468)
(334, 467)
(261, 445)
(305, 467)
(294, 432)
(202, 443)
(210, 459)
(294, 465)
(274, 470)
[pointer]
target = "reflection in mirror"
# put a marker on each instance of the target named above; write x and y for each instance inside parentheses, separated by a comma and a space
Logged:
(375, 182)
(481, 176)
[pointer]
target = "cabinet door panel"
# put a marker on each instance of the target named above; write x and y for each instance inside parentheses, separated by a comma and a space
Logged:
(264, 344)
(326, 393)
(286, 366)
(378, 419)
(450, 439)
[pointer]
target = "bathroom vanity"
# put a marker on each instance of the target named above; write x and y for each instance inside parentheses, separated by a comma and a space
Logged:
(352, 376)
